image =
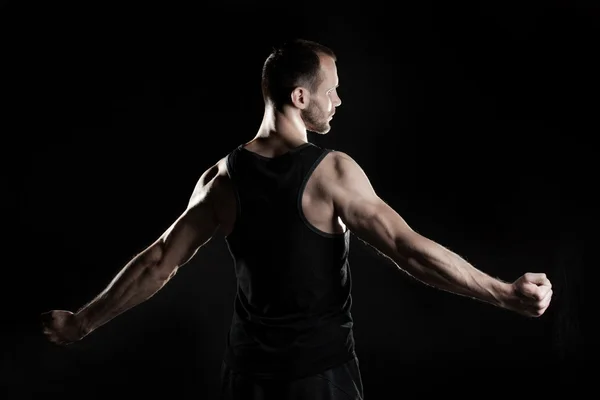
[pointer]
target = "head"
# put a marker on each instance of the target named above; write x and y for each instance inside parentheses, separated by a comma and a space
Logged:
(302, 74)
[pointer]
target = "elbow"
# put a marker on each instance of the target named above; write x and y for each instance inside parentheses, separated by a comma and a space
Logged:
(154, 254)
(408, 245)
(160, 273)
(155, 265)
(416, 253)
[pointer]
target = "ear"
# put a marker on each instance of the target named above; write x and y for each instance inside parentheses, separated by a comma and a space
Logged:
(300, 97)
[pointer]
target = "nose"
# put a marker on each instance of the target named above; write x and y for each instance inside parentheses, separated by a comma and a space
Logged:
(337, 102)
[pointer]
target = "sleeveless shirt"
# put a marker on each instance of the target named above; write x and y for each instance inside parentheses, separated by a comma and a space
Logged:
(292, 308)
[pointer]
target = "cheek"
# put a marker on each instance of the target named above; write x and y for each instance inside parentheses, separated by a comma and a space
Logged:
(323, 104)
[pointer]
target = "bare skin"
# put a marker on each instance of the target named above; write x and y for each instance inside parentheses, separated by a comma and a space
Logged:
(338, 196)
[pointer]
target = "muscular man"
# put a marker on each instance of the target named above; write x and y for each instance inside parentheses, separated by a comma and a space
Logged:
(286, 208)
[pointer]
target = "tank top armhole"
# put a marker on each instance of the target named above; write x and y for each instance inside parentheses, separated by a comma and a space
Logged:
(230, 168)
(301, 193)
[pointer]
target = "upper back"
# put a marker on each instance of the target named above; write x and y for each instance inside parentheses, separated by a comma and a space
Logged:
(281, 187)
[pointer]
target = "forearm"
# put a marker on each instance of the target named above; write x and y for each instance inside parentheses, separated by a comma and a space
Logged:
(439, 267)
(139, 280)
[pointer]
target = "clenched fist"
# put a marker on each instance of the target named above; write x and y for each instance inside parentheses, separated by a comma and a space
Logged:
(61, 327)
(531, 295)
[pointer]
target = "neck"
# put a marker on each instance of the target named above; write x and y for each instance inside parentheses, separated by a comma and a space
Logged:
(284, 126)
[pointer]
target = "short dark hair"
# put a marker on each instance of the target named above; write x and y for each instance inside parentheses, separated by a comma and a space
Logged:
(292, 64)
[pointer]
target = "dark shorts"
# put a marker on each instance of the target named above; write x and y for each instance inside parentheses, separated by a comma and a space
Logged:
(339, 383)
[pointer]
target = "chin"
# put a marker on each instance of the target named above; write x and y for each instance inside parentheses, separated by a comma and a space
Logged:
(323, 130)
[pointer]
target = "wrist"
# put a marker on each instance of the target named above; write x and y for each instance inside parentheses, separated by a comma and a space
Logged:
(84, 325)
(502, 293)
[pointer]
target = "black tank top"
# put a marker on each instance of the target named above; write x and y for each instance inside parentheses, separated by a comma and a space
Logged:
(291, 313)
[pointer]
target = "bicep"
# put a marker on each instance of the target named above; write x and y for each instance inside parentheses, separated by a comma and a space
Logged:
(367, 215)
(378, 224)
(194, 227)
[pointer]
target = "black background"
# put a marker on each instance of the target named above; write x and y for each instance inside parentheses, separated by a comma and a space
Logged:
(475, 122)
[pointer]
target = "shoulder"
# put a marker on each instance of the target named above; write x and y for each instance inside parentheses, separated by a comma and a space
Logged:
(214, 191)
(213, 182)
(340, 165)
(342, 178)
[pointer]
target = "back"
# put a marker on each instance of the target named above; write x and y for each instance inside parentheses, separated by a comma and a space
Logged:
(292, 308)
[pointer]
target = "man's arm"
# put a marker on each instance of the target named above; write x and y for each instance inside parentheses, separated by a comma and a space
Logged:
(376, 223)
(150, 270)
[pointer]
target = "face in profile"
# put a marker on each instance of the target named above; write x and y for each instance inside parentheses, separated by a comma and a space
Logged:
(316, 119)
(324, 100)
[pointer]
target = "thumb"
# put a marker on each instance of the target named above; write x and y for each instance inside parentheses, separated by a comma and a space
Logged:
(536, 278)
